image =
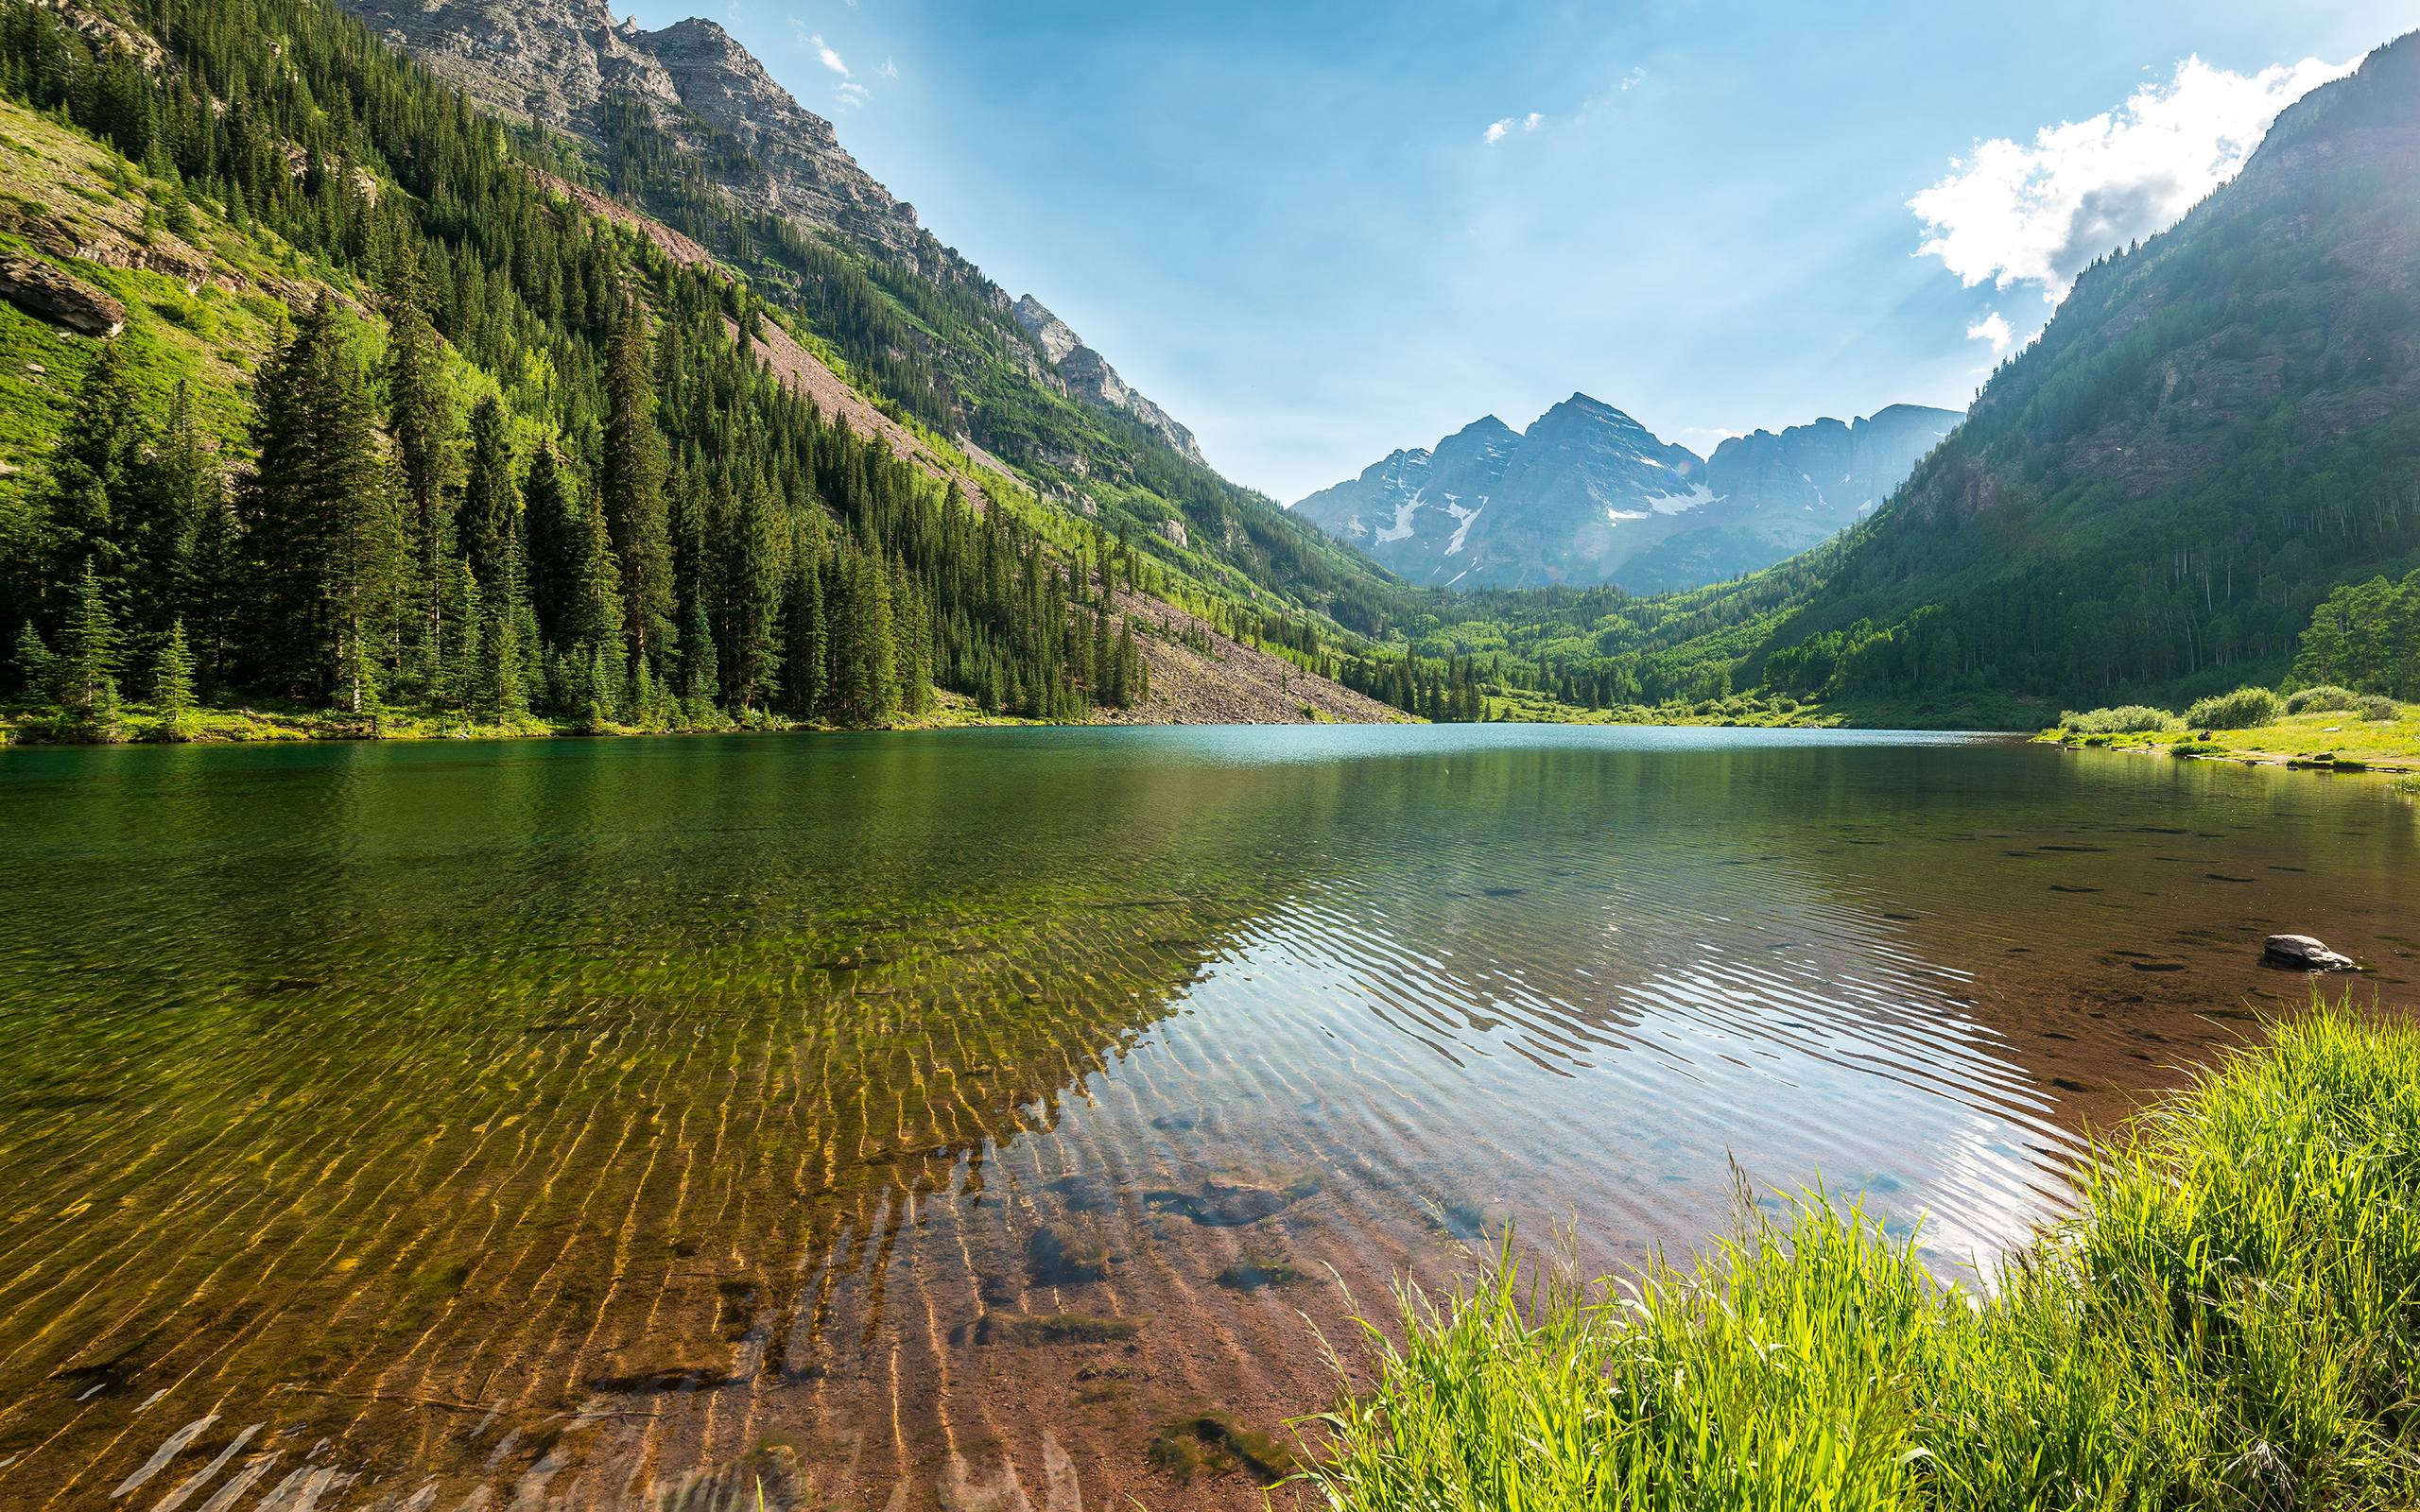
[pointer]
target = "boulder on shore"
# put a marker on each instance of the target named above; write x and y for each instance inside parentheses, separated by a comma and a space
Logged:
(2301, 953)
(48, 294)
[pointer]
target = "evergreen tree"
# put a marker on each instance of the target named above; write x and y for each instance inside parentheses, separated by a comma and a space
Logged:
(321, 520)
(701, 670)
(803, 649)
(88, 659)
(91, 473)
(35, 668)
(635, 482)
(491, 509)
(503, 661)
(421, 419)
(172, 682)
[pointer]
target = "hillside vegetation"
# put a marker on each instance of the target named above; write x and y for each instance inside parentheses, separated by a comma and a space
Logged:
(392, 425)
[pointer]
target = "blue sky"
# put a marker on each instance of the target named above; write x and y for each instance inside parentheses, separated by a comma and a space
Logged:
(1316, 232)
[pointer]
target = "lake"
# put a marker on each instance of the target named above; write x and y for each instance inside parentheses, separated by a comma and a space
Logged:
(935, 1119)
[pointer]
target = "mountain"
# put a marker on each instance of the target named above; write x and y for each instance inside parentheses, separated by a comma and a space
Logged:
(685, 126)
(1090, 378)
(1778, 494)
(1589, 496)
(567, 66)
(2217, 427)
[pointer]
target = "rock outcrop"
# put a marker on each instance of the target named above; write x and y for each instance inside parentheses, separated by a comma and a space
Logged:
(63, 301)
(1089, 377)
(570, 66)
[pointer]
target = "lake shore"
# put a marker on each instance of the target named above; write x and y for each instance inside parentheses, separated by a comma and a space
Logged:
(2225, 1311)
(2331, 741)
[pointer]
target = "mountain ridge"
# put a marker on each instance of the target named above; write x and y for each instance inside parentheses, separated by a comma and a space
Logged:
(1588, 496)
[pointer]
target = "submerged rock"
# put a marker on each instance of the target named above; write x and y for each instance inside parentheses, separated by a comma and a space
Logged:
(2301, 953)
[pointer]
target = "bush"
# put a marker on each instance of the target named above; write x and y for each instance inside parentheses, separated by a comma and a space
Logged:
(2375, 708)
(2127, 719)
(2243, 709)
(2325, 698)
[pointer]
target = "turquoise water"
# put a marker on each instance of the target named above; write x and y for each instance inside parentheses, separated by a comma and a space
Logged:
(912, 1118)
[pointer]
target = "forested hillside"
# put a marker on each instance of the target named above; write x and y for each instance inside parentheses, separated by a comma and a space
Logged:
(499, 454)
(2218, 426)
(684, 124)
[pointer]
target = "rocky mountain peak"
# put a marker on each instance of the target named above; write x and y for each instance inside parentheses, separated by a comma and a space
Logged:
(557, 64)
(1589, 495)
(1087, 375)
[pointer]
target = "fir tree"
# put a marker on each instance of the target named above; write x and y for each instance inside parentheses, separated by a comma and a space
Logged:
(172, 682)
(323, 504)
(35, 667)
(489, 514)
(88, 659)
(91, 473)
(635, 481)
(421, 419)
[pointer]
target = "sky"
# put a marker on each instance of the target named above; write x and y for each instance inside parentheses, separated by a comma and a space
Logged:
(1316, 232)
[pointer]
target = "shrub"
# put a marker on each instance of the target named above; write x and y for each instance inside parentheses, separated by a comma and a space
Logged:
(2325, 698)
(2243, 709)
(2127, 719)
(2375, 708)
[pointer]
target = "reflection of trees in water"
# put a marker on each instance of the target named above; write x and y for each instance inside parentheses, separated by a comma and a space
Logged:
(635, 1102)
(522, 1094)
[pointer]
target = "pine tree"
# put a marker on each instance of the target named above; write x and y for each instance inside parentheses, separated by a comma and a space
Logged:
(35, 667)
(701, 671)
(635, 482)
(88, 659)
(92, 470)
(422, 422)
(503, 664)
(163, 505)
(172, 682)
(752, 581)
(803, 650)
(491, 509)
(321, 520)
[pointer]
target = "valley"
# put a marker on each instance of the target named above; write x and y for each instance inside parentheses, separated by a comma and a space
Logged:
(662, 849)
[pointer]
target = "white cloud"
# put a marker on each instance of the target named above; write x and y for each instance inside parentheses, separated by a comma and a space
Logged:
(1632, 80)
(889, 68)
(825, 55)
(2039, 212)
(1994, 329)
(849, 95)
(1497, 130)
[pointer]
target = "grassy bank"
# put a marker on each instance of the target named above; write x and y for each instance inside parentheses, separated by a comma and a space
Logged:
(141, 724)
(2252, 726)
(2229, 1322)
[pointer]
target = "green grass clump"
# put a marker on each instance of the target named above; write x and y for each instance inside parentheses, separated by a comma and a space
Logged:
(2378, 710)
(2228, 1322)
(2197, 748)
(2127, 719)
(2244, 709)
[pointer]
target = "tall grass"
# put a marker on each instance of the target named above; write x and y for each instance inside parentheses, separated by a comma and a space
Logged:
(2229, 1322)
